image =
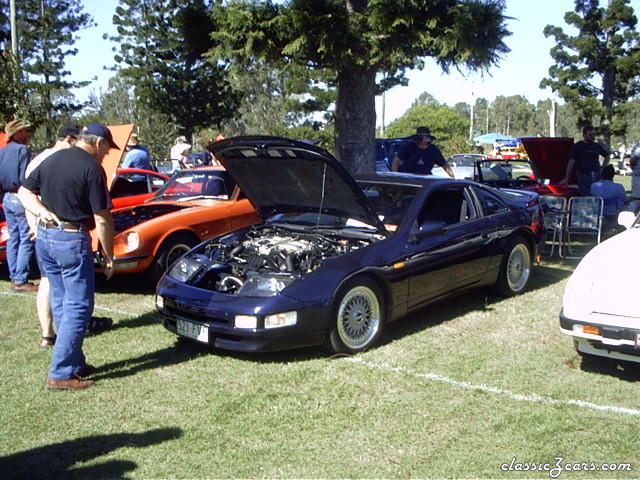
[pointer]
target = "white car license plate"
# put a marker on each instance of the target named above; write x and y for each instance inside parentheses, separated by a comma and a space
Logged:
(193, 330)
(637, 340)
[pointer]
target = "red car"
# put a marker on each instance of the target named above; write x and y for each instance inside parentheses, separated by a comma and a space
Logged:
(541, 173)
(130, 187)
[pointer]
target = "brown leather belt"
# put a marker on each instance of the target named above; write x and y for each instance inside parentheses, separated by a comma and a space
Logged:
(67, 226)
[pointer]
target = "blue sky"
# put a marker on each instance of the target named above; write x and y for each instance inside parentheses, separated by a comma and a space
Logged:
(518, 73)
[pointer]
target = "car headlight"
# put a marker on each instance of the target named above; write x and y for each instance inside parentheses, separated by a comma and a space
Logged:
(265, 285)
(185, 268)
(245, 321)
(280, 320)
(128, 242)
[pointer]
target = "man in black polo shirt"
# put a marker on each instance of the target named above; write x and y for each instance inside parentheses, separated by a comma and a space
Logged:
(585, 156)
(74, 199)
(420, 155)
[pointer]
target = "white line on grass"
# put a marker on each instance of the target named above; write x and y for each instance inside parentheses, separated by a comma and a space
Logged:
(535, 398)
(106, 309)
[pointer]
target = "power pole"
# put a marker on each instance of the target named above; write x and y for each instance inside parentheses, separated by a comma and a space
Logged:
(471, 122)
(14, 31)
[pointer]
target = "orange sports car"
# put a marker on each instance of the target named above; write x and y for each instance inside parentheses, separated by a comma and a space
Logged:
(194, 205)
(130, 186)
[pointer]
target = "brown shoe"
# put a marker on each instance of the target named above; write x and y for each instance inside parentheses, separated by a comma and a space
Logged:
(85, 371)
(24, 287)
(71, 384)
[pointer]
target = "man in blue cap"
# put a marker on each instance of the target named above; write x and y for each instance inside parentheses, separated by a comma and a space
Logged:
(73, 200)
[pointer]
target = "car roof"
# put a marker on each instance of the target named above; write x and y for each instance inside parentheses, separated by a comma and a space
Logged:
(409, 179)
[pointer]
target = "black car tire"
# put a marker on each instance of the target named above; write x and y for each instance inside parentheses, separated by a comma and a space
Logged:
(515, 268)
(171, 249)
(358, 316)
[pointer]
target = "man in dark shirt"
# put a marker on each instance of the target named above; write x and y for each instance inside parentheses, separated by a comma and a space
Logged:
(420, 156)
(14, 158)
(74, 199)
(585, 157)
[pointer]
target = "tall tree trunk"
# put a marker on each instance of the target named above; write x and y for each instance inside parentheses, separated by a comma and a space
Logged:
(356, 118)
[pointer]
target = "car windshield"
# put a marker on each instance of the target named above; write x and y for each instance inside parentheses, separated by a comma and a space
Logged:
(464, 160)
(189, 184)
(509, 169)
(317, 221)
(390, 201)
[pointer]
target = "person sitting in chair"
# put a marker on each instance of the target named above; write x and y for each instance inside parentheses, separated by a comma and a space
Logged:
(613, 197)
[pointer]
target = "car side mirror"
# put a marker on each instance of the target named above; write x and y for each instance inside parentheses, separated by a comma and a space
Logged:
(429, 229)
(626, 219)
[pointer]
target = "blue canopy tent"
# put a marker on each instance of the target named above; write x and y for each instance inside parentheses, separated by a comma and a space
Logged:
(492, 138)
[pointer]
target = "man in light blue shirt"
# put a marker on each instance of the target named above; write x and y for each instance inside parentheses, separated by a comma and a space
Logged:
(137, 156)
(612, 193)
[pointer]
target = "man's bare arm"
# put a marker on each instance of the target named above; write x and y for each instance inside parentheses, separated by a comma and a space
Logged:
(104, 229)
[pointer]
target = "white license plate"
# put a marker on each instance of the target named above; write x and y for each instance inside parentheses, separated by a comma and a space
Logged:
(637, 340)
(193, 330)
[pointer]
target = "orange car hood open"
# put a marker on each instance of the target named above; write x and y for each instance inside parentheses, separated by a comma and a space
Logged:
(111, 161)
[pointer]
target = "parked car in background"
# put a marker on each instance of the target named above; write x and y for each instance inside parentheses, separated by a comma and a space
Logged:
(130, 186)
(336, 259)
(541, 172)
(194, 205)
(599, 308)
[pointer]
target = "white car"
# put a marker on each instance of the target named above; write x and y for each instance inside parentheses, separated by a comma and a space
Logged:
(600, 309)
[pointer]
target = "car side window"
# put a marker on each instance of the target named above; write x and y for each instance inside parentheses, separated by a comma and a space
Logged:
(491, 204)
(126, 184)
(450, 205)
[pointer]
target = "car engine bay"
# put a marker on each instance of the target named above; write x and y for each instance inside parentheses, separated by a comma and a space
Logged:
(270, 257)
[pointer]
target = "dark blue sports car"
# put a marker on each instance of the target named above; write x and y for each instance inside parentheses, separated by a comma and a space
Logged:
(336, 259)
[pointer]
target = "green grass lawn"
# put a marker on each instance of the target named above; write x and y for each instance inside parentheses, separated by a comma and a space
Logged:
(456, 390)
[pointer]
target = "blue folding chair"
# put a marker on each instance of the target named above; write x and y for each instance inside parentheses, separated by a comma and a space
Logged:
(585, 220)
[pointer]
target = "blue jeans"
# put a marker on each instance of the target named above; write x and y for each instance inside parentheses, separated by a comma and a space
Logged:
(585, 180)
(20, 247)
(67, 262)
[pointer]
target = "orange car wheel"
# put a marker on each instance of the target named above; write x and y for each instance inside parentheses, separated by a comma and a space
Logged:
(171, 249)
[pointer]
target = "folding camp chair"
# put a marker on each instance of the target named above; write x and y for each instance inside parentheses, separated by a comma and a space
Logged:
(585, 220)
(555, 214)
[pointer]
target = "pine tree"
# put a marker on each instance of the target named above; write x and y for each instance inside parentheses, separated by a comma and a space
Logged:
(46, 35)
(357, 42)
(597, 70)
(161, 43)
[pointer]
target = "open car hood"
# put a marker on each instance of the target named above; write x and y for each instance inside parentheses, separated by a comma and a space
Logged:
(549, 157)
(279, 175)
(112, 159)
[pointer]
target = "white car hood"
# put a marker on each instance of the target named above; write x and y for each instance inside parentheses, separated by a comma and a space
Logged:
(606, 280)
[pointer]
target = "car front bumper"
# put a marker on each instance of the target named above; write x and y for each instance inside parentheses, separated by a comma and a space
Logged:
(604, 336)
(214, 314)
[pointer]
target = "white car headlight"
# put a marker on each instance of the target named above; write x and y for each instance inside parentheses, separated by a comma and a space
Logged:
(132, 241)
(185, 268)
(246, 321)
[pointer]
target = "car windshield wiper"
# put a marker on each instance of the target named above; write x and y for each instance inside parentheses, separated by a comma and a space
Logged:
(200, 195)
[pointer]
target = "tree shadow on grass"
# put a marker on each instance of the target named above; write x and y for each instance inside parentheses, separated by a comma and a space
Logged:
(57, 461)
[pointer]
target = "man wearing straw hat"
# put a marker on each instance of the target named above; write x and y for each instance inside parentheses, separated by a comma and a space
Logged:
(14, 158)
